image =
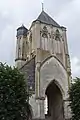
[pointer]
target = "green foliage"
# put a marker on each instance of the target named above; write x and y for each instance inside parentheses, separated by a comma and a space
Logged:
(75, 99)
(13, 95)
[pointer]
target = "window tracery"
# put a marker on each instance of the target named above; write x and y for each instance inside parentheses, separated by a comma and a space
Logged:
(58, 42)
(57, 35)
(44, 42)
(45, 29)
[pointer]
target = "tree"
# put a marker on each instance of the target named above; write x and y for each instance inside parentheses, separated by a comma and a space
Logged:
(74, 94)
(13, 95)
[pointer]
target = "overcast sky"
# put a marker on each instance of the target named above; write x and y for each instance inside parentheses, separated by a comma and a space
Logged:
(15, 12)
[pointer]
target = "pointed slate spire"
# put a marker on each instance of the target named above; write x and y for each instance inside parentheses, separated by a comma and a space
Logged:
(45, 18)
(22, 30)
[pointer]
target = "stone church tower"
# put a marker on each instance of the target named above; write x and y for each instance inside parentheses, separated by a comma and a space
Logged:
(42, 55)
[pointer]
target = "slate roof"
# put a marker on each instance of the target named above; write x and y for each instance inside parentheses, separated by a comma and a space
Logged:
(22, 31)
(45, 18)
(22, 27)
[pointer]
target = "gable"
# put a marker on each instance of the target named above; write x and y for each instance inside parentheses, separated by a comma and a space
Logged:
(52, 70)
(45, 18)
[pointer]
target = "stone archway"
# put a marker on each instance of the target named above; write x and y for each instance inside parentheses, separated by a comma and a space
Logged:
(52, 80)
(54, 102)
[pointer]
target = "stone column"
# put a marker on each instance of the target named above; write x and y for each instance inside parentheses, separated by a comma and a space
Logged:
(67, 110)
(40, 108)
(39, 99)
(37, 81)
(42, 114)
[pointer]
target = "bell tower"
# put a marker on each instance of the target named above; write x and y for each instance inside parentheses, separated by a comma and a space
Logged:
(49, 39)
(47, 70)
(52, 66)
(21, 46)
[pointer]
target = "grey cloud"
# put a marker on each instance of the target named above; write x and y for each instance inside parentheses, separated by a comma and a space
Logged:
(55, 6)
(4, 21)
(65, 12)
(6, 37)
(7, 46)
(71, 18)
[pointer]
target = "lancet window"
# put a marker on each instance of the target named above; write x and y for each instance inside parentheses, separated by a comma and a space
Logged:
(57, 35)
(57, 42)
(44, 42)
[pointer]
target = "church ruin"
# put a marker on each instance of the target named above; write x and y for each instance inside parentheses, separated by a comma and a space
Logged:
(42, 55)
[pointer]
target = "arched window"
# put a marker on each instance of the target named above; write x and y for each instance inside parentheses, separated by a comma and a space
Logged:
(52, 43)
(57, 42)
(57, 35)
(45, 29)
(44, 41)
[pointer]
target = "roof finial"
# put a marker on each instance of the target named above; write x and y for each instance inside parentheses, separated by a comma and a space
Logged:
(22, 24)
(42, 6)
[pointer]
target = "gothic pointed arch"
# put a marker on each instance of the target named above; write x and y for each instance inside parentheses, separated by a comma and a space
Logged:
(57, 35)
(44, 36)
(58, 42)
(54, 100)
(49, 72)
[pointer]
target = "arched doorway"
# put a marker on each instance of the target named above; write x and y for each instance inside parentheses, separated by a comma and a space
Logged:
(55, 109)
